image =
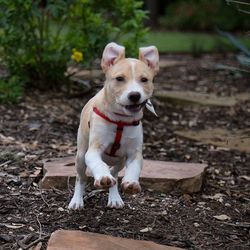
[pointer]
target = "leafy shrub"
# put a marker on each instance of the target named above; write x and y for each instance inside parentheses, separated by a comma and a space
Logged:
(204, 15)
(10, 89)
(37, 36)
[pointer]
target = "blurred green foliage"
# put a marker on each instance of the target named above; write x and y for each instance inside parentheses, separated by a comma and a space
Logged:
(10, 89)
(191, 42)
(204, 15)
(37, 36)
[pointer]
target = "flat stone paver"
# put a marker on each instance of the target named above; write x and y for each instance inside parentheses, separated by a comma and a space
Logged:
(157, 175)
(192, 97)
(237, 140)
(78, 240)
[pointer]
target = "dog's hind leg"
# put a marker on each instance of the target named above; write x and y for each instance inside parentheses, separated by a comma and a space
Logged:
(114, 199)
(81, 179)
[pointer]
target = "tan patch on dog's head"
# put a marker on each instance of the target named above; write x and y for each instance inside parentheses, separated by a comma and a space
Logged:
(126, 73)
(126, 76)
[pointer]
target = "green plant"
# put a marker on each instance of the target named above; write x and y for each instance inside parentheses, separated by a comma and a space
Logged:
(244, 56)
(10, 89)
(241, 5)
(204, 15)
(37, 36)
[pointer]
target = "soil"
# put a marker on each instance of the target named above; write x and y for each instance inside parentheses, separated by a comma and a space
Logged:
(44, 125)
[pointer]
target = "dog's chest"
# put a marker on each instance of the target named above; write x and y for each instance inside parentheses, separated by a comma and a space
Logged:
(130, 138)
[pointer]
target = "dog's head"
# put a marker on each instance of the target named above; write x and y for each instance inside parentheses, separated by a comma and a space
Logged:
(129, 81)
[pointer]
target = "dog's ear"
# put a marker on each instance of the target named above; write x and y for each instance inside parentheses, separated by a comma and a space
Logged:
(112, 54)
(150, 56)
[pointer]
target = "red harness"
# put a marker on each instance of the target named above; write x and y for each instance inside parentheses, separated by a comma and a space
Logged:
(118, 136)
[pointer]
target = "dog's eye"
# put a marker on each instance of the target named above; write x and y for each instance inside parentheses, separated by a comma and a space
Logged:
(144, 79)
(120, 79)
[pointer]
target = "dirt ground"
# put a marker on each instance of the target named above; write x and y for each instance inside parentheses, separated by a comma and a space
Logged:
(44, 125)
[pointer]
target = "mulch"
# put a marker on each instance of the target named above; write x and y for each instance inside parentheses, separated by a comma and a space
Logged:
(44, 125)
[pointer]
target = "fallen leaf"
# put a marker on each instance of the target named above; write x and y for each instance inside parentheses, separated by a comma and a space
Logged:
(216, 197)
(146, 229)
(247, 178)
(36, 173)
(222, 217)
(34, 126)
(14, 225)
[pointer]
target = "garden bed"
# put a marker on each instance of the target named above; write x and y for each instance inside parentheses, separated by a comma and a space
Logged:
(44, 125)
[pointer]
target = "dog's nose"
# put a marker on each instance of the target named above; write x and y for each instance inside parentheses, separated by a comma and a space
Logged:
(134, 96)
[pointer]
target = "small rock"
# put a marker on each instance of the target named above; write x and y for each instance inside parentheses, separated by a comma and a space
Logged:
(30, 157)
(217, 171)
(196, 224)
(20, 154)
(31, 229)
(221, 183)
(60, 209)
(34, 126)
(192, 78)
(201, 204)
(227, 173)
(233, 237)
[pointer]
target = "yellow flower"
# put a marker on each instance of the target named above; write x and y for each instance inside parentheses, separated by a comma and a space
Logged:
(76, 55)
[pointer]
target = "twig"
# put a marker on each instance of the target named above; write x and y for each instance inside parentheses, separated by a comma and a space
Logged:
(43, 198)
(57, 190)
(93, 193)
(68, 184)
(241, 224)
(230, 68)
(26, 247)
(5, 163)
(153, 224)
(26, 239)
(40, 226)
(239, 2)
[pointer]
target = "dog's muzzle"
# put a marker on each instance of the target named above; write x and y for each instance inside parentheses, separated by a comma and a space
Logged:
(135, 107)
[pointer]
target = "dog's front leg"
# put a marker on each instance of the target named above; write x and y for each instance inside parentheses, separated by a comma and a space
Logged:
(114, 199)
(130, 181)
(81, 179)
(99, 169)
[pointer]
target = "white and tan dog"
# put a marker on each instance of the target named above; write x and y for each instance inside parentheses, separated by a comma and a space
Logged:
(110, 132)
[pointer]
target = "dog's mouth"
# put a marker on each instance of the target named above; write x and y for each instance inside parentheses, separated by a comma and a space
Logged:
(135, 107)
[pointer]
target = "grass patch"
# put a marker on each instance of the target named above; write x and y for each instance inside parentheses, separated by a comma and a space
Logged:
(190, 42)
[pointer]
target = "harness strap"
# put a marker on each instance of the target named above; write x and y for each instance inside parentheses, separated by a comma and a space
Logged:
(119, 130)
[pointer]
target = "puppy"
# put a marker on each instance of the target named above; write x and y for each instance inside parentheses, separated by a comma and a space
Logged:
(110, 131)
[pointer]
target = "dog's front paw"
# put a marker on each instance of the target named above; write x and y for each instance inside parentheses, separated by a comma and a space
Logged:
(76, 203)
(131, 187)
(115, 201)
(105, 182)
